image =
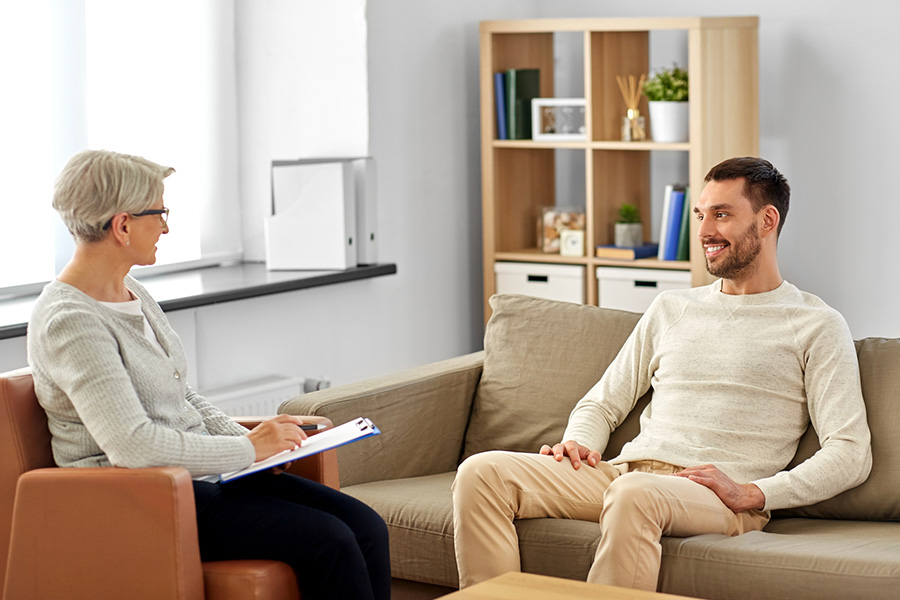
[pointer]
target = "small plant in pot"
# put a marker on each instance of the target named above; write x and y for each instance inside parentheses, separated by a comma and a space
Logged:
(667, 93)
(629, 229)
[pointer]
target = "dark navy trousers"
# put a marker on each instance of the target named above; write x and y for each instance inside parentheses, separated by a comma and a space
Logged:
(337, 545)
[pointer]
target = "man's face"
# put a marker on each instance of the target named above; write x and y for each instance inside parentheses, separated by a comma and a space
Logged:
(729, 233)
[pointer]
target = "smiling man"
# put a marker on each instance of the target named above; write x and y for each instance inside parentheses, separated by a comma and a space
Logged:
(738, 368)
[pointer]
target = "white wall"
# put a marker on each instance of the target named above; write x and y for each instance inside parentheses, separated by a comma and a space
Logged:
(310, 78)
(827, 121)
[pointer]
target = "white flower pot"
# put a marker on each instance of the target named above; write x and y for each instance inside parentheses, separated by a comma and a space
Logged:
(629, 235)
(669, 121)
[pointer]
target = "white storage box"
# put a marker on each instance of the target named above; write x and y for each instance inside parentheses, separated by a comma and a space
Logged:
(635, 289)
(553, 282)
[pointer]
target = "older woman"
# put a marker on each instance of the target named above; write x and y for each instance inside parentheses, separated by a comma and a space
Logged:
(112, 376)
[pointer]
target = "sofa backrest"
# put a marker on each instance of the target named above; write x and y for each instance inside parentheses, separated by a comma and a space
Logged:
(878, 498)
(540, 358)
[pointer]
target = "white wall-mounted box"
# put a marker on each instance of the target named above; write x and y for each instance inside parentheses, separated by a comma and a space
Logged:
(553, 282)
(635, 289)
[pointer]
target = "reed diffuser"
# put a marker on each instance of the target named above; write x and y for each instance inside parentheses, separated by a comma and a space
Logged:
(633, 123)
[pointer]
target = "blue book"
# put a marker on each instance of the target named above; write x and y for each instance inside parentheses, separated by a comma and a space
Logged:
(673, 225)
(500, 97)
(684, 241)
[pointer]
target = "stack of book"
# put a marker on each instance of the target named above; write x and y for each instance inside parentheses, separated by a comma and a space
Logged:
(675, 230)
(513, 90)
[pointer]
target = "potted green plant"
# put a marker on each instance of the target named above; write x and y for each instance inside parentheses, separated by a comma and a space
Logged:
(667, 93)
(629, 230)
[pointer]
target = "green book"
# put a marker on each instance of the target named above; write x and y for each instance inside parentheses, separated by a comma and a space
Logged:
(522, 85)
(685, 233)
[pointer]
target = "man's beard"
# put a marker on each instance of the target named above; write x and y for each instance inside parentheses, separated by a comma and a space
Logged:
(741, 254)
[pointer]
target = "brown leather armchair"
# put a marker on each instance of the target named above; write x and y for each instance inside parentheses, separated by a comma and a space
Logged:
(111, 532)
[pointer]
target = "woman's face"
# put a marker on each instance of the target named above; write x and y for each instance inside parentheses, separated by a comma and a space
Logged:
(145, 232)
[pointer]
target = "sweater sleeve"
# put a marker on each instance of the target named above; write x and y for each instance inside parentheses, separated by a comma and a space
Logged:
(77, 352)
(610, 400)
(838, 414)
(216, 422)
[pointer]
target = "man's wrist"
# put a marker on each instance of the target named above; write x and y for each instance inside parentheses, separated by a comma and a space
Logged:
(754, 498)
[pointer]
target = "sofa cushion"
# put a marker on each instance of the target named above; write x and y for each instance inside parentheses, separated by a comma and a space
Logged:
(791, 558)
(418, 512)
(879, 496)
(540, 358)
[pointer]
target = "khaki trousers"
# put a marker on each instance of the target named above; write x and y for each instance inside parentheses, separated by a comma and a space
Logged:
(636, 504)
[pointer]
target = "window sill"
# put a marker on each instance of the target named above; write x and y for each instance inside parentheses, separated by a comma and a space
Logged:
(210, 285)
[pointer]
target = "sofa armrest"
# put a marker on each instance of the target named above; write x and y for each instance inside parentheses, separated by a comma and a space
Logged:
(104, 533)
(321, 467)
(251, 422)
(422, 413)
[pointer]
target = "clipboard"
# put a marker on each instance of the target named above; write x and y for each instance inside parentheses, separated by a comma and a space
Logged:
(341, 435)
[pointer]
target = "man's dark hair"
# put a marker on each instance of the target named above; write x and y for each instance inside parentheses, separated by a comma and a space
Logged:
(763, 184)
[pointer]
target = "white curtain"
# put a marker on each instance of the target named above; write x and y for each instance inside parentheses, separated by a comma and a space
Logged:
(153, 78)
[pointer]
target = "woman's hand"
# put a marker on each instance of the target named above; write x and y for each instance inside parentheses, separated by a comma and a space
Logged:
(276, 435)
(574, 451)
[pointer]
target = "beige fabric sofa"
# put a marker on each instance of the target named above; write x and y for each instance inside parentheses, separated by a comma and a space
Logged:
(540, 357)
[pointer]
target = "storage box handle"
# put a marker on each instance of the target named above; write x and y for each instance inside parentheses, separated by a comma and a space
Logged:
(651, 284)
(539, 278)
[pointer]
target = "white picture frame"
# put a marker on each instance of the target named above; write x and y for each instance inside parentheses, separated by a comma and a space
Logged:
(558, 120)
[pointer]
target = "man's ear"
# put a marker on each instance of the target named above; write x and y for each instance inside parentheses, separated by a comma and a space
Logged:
(770, 218)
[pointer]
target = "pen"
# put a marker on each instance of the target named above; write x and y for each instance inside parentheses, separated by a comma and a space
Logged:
(312, 426)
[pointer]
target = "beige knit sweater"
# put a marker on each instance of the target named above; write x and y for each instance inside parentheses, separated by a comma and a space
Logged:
(736, 380)
(112, 398)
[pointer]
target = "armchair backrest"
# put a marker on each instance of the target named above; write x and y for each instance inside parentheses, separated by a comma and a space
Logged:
(24, 445)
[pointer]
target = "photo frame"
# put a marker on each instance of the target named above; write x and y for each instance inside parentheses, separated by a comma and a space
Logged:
(558, 119)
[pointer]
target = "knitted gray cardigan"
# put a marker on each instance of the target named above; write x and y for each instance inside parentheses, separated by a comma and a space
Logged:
(112, 398)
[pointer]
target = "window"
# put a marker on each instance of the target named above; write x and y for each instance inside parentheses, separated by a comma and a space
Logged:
(153, 78)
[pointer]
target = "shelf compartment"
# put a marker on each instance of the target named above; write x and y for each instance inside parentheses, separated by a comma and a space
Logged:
(609, 54)
(524, 181)
(617, 178)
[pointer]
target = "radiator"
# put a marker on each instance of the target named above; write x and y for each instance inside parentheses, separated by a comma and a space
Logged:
(257, 398)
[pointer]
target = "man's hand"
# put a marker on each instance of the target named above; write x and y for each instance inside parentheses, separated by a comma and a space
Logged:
(276, 435)
(574, 451)
(738, 497)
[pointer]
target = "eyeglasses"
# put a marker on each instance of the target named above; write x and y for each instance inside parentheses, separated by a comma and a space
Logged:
(162, 212)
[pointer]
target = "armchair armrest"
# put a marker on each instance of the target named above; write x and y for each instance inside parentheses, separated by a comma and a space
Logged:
(104, 533)
(422, 413)
(321, 467)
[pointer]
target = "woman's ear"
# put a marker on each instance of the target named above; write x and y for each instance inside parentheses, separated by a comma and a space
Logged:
(119, 228)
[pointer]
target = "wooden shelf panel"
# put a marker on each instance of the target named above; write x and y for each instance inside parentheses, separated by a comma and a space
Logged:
(535, 255)
(643, 146)
(643, 263)
(616, 24)
(601, 145)
(548, 145)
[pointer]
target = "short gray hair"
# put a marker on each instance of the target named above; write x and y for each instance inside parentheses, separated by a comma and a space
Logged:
(97, 184)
